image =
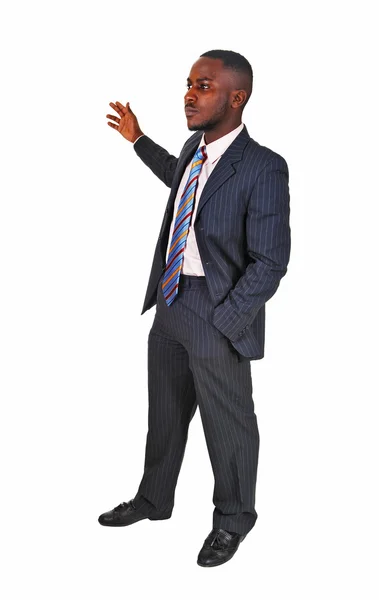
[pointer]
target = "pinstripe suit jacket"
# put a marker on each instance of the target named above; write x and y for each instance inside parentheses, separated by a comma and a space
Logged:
(242, 231)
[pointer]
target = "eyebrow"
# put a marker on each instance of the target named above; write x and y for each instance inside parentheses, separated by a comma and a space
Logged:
(200, 79)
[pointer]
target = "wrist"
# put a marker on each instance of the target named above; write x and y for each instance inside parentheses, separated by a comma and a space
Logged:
(138, 135)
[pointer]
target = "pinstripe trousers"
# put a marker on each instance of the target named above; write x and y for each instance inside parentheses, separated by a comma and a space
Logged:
(191, 363)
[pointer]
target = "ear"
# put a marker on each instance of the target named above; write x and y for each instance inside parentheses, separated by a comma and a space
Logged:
(238, 98)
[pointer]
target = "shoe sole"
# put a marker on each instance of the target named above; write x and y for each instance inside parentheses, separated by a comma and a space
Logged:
(127, 524)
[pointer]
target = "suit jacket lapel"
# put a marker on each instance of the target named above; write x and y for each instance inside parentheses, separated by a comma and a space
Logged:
(224, 168)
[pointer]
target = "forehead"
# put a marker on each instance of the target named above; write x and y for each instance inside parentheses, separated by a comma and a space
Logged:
(210, 67)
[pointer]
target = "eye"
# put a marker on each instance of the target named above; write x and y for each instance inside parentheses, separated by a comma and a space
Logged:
(203, 85)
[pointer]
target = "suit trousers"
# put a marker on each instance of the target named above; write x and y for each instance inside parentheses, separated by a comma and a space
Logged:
(191, 363)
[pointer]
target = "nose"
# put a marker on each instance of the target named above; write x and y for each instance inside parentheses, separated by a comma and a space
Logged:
(190, 97)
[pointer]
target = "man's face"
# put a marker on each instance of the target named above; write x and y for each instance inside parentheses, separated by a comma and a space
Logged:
(208, 99)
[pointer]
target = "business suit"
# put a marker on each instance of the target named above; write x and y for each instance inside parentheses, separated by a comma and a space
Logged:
(200, 347)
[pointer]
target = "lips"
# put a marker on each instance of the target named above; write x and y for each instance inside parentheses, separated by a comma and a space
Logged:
(190, 111)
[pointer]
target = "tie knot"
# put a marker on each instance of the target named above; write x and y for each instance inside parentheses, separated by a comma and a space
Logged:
(201, 153)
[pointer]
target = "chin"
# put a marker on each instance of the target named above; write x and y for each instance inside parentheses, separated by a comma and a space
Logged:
(207, 126)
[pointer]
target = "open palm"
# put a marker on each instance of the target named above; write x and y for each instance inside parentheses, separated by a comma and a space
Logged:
(126, 123)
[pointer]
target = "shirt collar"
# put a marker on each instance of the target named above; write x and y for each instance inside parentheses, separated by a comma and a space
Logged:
(217, 148)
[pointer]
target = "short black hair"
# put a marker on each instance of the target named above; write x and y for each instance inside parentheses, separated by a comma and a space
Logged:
(237, 63)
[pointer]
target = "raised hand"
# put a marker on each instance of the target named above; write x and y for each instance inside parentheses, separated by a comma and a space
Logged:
(126, 123)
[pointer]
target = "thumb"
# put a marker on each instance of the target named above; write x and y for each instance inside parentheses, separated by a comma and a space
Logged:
(128, 106)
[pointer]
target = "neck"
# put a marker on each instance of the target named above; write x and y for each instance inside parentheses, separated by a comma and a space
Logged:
(221, 130)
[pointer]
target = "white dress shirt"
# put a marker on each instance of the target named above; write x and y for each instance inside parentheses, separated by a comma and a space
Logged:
(191, 258)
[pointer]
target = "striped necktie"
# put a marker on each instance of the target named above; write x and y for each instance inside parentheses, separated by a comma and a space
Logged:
(174, 264)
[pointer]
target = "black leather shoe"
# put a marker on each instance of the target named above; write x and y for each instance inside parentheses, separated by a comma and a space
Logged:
(126, 513)
(219, 547)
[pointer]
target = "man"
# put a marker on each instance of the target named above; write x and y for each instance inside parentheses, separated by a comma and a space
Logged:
(222, 249)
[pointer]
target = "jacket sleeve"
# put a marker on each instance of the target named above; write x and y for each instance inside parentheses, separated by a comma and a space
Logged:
(268, 242)
(156, 158)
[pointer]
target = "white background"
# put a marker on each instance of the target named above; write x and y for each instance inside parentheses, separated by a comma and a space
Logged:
(74, 343)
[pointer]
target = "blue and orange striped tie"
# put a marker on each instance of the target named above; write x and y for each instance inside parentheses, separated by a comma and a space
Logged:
(174, 264)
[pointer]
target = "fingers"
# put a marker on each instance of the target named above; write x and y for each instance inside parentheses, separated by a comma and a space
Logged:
(125, 108)
(119, 108)
(113, 118)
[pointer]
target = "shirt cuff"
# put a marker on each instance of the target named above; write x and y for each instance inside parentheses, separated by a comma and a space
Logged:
(138, 138)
